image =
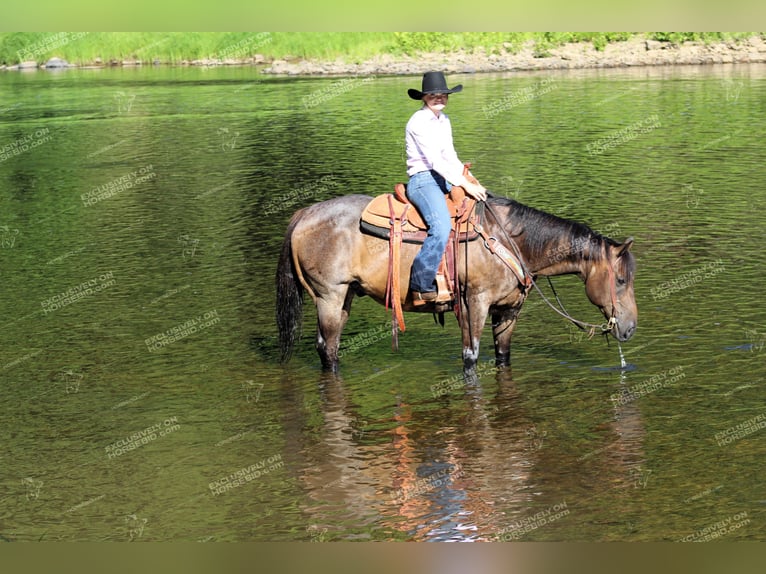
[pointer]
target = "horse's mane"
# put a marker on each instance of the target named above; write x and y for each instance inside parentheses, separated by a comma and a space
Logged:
(545, 231)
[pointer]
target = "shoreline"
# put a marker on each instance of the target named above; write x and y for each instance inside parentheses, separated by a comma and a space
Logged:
(634, 52)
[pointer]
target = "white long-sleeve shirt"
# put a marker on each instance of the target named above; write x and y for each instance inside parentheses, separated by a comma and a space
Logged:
(429, 146)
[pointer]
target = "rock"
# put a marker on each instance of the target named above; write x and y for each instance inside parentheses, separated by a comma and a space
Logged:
(655, 45)
(27, 65)
(98, 61)
(278, 67)
(56, 63)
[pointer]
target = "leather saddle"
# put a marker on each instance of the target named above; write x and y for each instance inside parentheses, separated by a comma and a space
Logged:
(391, 216)
(382, 210)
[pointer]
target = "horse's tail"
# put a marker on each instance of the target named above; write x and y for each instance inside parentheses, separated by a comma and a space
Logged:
(289, 297)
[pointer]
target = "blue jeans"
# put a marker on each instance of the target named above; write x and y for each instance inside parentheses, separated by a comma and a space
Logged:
(426, 191)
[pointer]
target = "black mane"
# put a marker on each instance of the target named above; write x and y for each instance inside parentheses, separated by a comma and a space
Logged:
(545, 232)
(547, 235)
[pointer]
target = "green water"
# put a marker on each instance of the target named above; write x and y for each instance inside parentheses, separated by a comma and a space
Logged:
(141, 214)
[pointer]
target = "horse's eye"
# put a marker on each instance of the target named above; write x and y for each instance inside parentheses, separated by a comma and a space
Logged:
(621, 281)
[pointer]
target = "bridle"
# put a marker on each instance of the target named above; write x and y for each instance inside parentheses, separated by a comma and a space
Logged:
(528, 279)
(612, 288)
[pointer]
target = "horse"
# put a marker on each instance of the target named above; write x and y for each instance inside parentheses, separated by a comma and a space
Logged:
(326, 254)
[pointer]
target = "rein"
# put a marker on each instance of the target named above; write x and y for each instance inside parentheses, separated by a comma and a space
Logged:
(529, 280)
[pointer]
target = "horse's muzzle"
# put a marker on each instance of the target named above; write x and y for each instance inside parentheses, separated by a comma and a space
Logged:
(624, 331)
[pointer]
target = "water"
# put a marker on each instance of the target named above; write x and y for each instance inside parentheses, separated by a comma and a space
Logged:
(142, 397)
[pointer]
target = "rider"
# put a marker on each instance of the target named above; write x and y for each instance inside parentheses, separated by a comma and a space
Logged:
(433, 168)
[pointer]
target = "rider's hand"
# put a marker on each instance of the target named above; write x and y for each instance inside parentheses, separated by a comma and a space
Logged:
(475, 190)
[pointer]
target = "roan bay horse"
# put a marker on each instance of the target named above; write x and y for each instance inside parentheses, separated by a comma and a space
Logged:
(327, 255)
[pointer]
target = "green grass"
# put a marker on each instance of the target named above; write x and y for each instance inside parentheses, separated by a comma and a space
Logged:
(179, 46)
(413, 42)
(705, 37)
(598, 39)
(329, 45)
(175, 47)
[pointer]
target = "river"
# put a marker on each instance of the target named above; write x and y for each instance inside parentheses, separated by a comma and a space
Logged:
(141, 216)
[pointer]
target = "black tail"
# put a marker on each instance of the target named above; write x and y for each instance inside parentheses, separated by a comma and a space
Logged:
(289, 298)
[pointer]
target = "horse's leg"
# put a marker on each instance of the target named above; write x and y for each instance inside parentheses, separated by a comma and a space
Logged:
(503, 323)
(332, 313)
(472, 323)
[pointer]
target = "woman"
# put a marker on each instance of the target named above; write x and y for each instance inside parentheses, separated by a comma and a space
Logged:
(433, 168)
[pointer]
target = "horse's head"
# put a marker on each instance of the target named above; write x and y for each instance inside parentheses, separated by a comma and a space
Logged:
(609, 286)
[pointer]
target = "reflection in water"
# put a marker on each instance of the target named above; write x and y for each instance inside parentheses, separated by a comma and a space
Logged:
(442, 485)
(338, 477)
(627, 454)
(477, 477)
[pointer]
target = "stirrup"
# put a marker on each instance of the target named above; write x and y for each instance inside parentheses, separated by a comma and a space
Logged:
(443, 293)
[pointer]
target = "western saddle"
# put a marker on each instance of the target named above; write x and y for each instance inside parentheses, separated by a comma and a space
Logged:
(391, 216)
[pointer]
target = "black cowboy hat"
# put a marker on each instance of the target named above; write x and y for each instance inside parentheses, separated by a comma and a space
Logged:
(433, 83)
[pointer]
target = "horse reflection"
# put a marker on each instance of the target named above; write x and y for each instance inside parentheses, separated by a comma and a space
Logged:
(467, 465)
(399, 468)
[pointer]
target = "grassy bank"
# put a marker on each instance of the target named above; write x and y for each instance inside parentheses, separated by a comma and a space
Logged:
(174, 48)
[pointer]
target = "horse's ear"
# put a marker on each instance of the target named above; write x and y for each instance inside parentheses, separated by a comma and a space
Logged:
(625, 247)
